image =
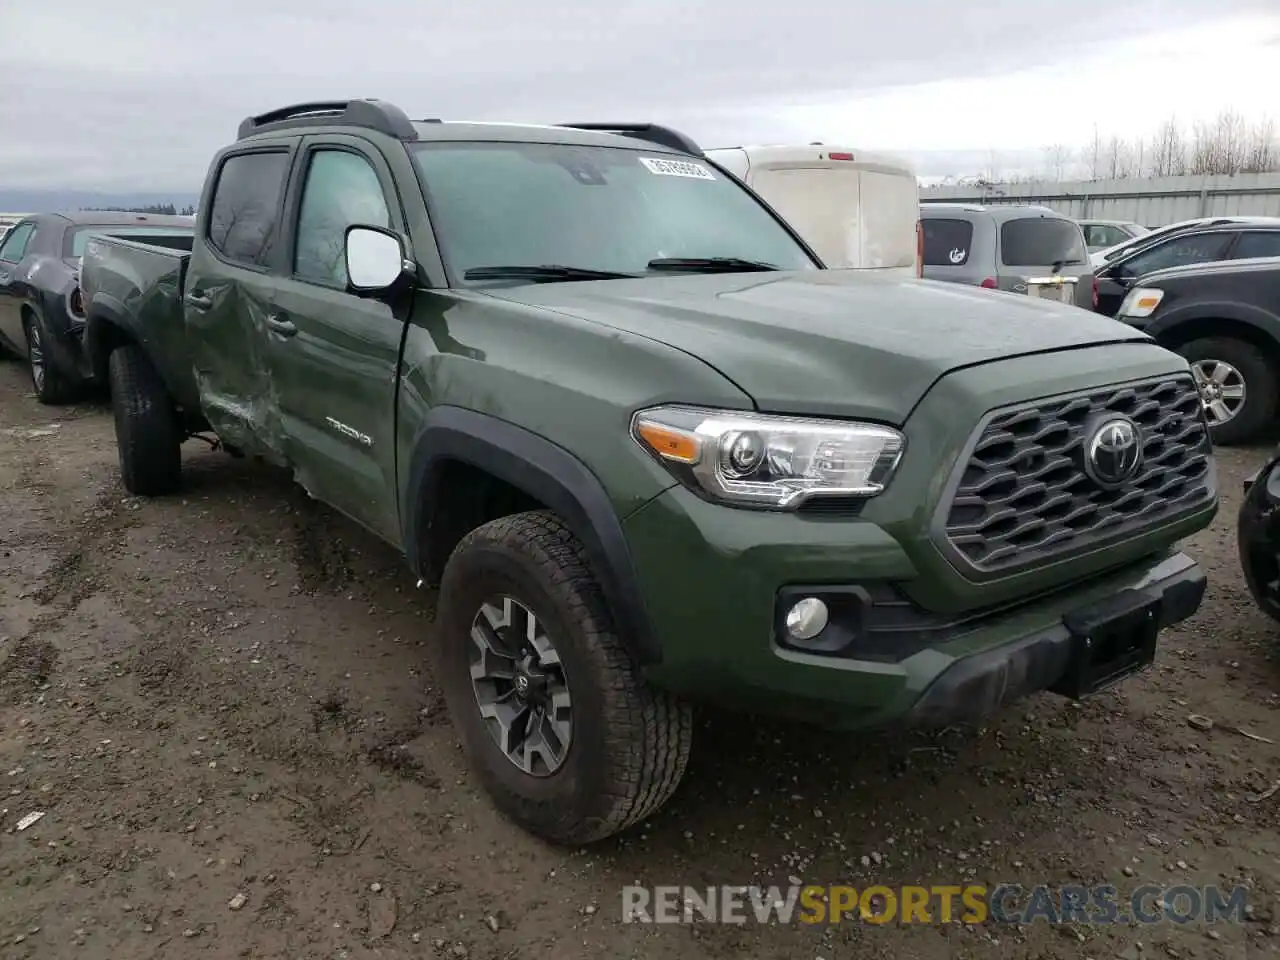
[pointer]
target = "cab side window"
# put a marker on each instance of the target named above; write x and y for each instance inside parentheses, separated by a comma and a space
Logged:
(15, 244)
(341, 190)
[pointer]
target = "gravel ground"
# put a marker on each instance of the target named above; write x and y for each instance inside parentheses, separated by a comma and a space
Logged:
(220, 704)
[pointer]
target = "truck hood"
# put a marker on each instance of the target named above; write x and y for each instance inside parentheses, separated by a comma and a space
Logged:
(829, 342)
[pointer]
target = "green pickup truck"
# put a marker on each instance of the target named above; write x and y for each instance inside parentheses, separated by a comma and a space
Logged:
(651, 451)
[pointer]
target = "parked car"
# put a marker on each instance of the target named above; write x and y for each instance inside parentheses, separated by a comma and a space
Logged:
(856, 209)
(650, 450)
(1102, 257)
(1021, 249)
(1235, 240)
(1104, 234)
(1258, 536)
(41, 309)
(1224, 317)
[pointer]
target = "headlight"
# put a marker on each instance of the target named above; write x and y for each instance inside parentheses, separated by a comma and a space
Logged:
(1141, 302)
(769, 461)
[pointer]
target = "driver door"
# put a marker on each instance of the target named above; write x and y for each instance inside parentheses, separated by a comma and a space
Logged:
(334, 356)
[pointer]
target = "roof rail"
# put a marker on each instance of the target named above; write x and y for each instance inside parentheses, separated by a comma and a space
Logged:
(651, 132)
(371, 114)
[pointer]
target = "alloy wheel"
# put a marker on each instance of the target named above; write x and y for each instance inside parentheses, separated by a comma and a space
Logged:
(520, 686)
(35, 356)
(1222, 389)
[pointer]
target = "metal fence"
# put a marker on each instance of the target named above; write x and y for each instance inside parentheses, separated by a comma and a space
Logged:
(1153, 202)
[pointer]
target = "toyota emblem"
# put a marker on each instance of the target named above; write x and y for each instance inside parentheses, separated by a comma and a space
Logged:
(1113, 452)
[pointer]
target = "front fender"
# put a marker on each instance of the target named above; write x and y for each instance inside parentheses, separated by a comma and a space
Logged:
(544, 471)
(1163, 326)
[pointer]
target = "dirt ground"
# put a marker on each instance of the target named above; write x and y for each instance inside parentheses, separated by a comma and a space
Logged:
(220, 704)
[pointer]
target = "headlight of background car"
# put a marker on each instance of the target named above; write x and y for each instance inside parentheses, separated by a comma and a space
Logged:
(1141, 302)
(769, 461)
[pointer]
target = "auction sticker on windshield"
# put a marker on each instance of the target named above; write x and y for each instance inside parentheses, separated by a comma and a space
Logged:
(677, 168)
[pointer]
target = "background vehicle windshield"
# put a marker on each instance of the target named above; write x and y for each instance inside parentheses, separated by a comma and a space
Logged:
(1041, 241)
(599, 208)
(74, 243)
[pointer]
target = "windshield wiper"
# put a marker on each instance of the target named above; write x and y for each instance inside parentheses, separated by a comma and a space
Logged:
(545, 273)
(710, 264)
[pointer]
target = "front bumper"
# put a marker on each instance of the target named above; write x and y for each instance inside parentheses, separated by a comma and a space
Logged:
(978, 685)
(713, 590)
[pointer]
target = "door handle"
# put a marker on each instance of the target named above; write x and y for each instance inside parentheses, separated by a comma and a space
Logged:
(199, 301)
(278, 323)
(5, 278)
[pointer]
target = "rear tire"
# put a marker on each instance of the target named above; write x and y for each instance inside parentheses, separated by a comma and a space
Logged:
(51, 386)
(617, 748)
(1243, 365)
(148, 434)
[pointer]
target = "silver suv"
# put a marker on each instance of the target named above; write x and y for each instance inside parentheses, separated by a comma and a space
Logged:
(1019, 249)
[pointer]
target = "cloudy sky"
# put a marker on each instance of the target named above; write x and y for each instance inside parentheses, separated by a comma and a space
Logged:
(135, 94)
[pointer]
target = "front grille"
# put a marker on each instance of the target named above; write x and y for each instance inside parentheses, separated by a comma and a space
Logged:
(1023, 497)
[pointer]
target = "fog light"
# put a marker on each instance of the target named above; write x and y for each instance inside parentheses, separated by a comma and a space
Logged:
(807, 619)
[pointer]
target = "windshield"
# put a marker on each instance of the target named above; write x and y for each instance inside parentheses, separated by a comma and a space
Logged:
(1041, 242)
(591, 208)
(76, 240)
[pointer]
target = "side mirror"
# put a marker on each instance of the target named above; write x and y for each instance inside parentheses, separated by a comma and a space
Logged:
(375, 259)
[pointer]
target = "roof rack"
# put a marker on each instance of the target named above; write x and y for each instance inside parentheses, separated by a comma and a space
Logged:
(371, 114)
(651, 132)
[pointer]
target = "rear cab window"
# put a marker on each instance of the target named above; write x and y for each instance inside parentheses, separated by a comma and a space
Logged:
(946, 241)
(246, 204)
(1041, 242)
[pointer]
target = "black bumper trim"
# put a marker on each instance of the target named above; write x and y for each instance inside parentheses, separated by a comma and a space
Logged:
(978, 685)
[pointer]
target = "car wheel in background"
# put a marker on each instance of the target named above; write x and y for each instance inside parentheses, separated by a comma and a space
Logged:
(50, 386)
(1237, 385)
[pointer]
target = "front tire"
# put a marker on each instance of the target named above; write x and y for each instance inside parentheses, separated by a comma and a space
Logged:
(51, 386)
(148, 434)
(601, 750)
(1238, 386)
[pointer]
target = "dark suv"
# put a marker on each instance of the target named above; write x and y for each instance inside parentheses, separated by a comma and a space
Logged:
(1020, 249)
(1218, 240)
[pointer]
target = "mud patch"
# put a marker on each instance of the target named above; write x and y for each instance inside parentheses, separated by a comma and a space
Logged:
(160, 665)
(27, 668)
(323, 563)
(397, 760)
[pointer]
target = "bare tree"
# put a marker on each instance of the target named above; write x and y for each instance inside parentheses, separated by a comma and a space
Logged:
(1094, 154)
(1168, 151)
(1219, 146)
(1057, 157)
(1262, 154)
(1117, 159)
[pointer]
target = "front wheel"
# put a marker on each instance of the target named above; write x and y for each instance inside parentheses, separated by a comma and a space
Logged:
(1237, 384)
(550, 706)
(148, 433)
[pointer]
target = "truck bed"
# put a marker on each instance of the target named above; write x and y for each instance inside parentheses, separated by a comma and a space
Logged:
(137, 286)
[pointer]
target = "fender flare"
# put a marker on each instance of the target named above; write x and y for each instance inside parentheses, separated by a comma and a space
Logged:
(105, 320)
(550, 474)
(1265, 323)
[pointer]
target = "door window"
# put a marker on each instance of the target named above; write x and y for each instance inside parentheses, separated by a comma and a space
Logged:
(1104, 235)
(1257, 243)
(342, 190)
(246, 203)
(1177, 252)
(946, 242)
(15, 243)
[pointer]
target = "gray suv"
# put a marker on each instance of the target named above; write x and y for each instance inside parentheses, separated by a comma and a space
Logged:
(1019, 249)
